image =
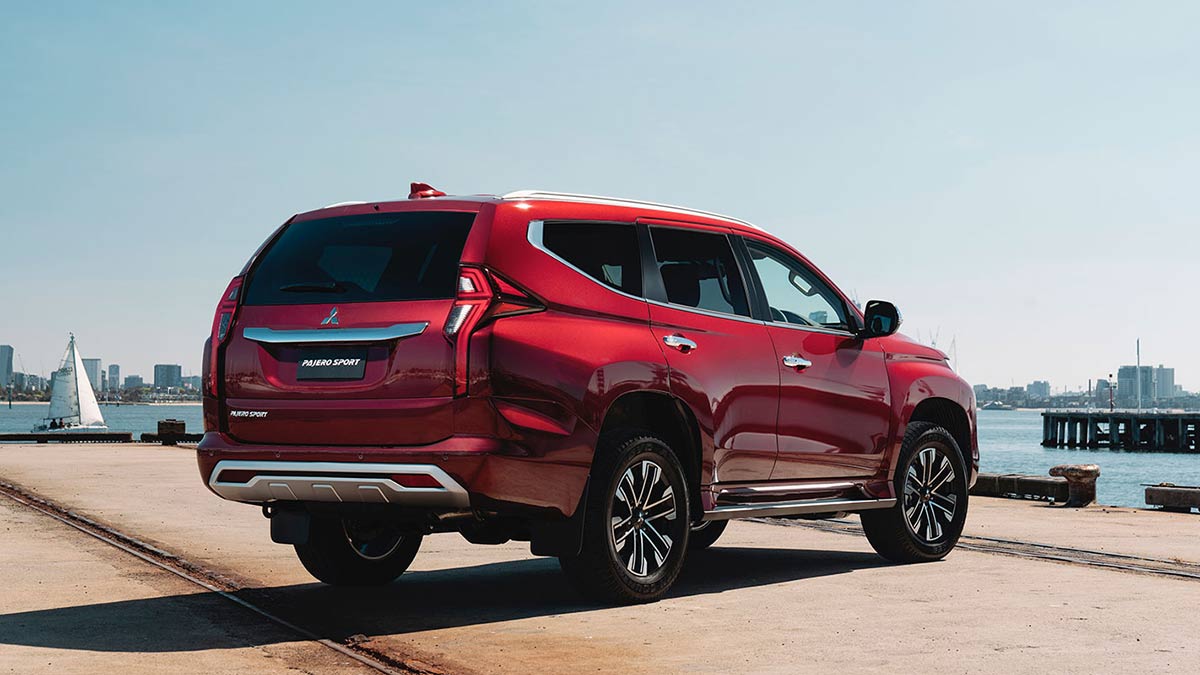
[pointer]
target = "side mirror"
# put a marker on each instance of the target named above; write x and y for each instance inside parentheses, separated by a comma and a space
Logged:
(882, 318)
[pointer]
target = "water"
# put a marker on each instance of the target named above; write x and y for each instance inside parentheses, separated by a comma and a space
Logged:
(136, 418)
(1010, 442)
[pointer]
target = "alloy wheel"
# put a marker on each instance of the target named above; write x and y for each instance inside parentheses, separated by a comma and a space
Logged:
(930, 501)
(643, 516)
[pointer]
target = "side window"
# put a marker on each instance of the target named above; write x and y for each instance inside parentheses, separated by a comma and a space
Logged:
(606, 252)
(794, 293)
(698, 270)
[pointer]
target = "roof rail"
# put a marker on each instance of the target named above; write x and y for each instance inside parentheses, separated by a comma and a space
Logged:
(618, 201)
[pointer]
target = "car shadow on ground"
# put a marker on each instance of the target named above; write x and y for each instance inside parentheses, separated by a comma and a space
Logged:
(419, 601)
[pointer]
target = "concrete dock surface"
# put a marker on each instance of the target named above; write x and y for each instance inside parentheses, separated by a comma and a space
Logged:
(767, 598)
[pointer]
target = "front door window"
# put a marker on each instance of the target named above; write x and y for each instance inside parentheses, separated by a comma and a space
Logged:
(796, 295)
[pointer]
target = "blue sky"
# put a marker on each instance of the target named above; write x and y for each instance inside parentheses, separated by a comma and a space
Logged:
(1018, 178)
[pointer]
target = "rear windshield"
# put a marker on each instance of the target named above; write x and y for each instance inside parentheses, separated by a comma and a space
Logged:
(372, 258)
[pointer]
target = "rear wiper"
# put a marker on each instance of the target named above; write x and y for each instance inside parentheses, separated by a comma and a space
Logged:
(314, 287)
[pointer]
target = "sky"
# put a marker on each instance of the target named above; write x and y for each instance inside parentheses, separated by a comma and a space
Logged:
(1019, 178)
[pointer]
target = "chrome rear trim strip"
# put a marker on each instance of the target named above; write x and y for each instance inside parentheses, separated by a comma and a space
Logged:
(796, 508)
(361, 482)
(334, 335)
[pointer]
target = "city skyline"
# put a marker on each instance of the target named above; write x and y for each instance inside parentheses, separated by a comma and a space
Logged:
(1017, 202)
(102, 375)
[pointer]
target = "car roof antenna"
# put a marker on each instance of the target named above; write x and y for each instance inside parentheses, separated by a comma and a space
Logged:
(424, 191)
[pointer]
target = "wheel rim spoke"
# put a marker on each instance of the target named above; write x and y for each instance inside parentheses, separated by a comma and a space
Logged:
(933, 528)
(944, 473)
(663, 508)
(659, 544)
(942, 509)
(621, 529)
(636, 561)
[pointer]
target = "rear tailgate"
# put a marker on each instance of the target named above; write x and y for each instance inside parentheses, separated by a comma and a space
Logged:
(339, 338)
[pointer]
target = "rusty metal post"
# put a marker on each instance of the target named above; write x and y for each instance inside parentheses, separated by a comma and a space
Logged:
(1081, 482)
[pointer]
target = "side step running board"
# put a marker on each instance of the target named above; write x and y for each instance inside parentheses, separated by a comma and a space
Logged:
(796, 508)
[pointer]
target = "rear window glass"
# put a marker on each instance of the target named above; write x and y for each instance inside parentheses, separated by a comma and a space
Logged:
(606, 252)
(372, 258)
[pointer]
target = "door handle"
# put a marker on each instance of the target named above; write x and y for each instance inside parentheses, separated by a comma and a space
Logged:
(679, 342)
(797, 362)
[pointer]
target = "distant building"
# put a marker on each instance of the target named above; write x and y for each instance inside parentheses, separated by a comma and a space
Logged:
(6, 365)
(1102, 393)
(192, 382)
(1133, 385)
(1164, 382)
(92, 368)
(168, 375)
(134, 382)
(1038, 389)
(25, 382)
(114, 376)
(103, 381)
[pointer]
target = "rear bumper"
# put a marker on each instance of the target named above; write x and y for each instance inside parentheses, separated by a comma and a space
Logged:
(470, 471)
(261, 481)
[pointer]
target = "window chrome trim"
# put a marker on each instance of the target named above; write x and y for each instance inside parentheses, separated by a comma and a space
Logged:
(333, 335)
(707, 312)
(811, 329)
(618, 201)
(534, 235)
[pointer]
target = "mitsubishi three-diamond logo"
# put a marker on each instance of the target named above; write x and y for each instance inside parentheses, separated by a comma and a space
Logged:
(330, 320)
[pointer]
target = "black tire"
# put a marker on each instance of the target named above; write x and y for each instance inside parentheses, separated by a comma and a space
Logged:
(354, 552)
(705, 534)
(925, 523)
(631, 567)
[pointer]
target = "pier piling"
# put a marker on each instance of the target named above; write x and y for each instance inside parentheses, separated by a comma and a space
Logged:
(1121, 430)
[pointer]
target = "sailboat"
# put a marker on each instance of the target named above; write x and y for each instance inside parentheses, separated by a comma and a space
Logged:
(73, 406)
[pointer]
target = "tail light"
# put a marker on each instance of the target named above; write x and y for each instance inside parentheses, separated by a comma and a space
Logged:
(222, 325)
(483, 296)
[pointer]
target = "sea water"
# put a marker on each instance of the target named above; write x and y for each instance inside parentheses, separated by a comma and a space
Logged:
(1009, 442)
(138, 419)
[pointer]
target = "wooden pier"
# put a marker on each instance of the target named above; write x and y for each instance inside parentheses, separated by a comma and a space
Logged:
(1121, 430)
(70, 437)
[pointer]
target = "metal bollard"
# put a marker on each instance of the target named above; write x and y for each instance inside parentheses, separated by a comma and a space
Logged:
(1081, 482)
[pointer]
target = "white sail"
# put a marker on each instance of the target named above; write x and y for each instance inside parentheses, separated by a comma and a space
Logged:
(73, 404)
(64, 389)
(89, 409)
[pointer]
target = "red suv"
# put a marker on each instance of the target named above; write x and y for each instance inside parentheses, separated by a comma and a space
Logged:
(610, 380)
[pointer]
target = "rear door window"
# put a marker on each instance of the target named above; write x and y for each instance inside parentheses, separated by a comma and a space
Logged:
(606, 252)
(371, 258)
(698, 270)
